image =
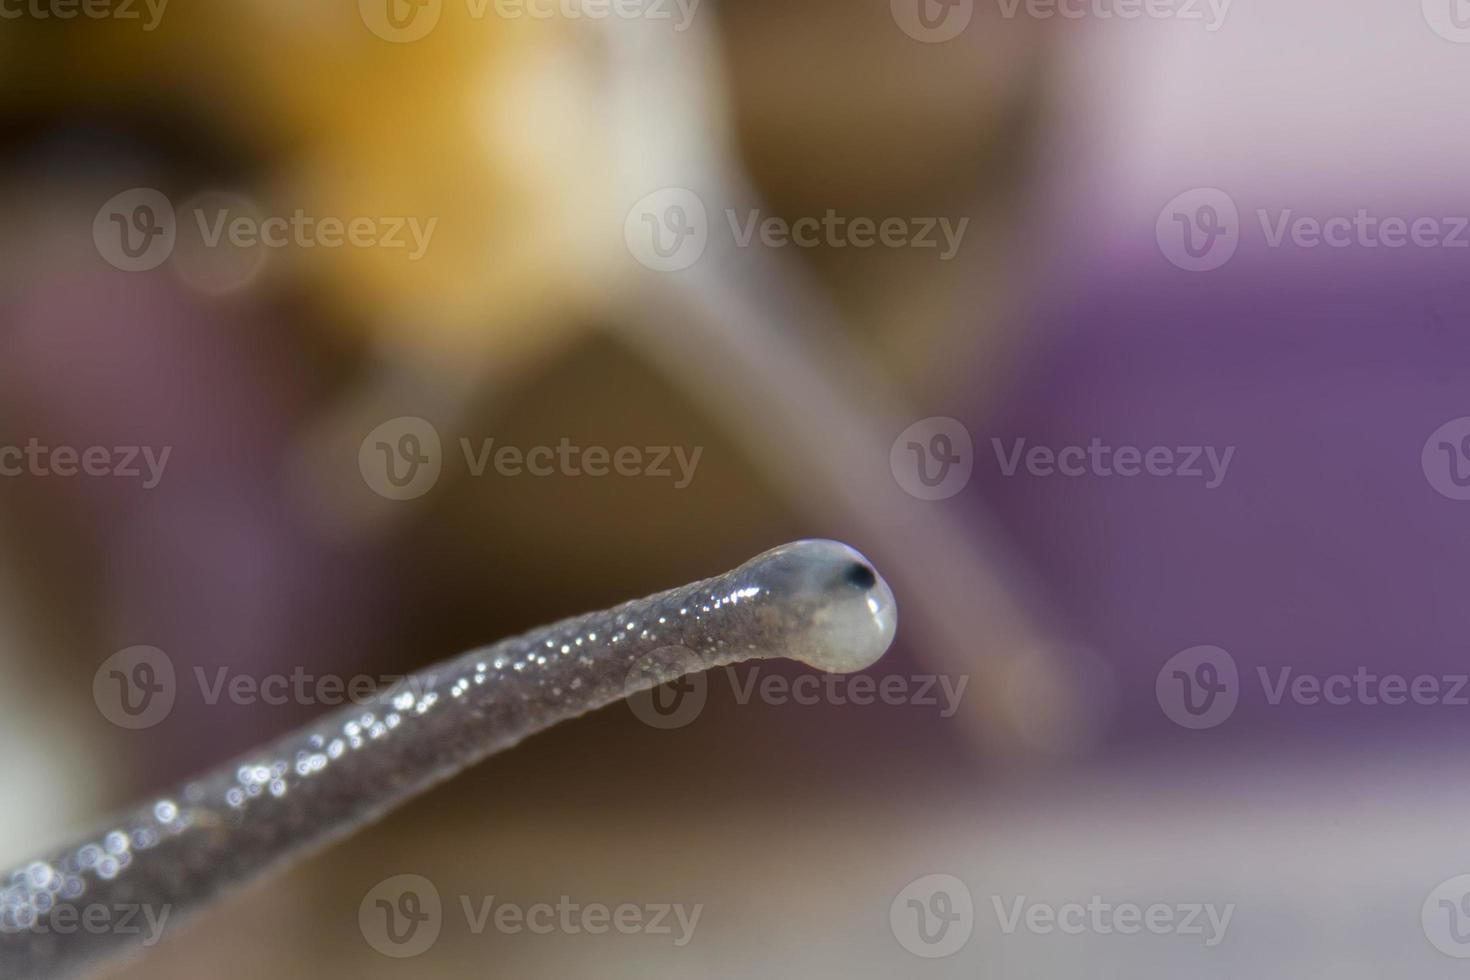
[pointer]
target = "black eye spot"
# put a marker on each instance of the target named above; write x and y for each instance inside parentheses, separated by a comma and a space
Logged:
(860, 575)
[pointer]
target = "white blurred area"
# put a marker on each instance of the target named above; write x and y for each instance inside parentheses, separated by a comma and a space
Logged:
(1290, 103)
(1321, 866)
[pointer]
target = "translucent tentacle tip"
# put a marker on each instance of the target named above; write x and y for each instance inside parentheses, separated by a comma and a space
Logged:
(845, 613)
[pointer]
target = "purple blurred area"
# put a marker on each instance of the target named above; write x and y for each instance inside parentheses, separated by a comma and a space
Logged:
(1325, 548)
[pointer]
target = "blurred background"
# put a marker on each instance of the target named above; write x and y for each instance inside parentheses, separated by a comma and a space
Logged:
(1128, 340)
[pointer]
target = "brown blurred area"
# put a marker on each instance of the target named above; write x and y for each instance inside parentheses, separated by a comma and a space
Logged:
(831, 113)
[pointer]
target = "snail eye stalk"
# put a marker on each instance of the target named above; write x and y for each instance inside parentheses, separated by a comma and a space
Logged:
(819, 602)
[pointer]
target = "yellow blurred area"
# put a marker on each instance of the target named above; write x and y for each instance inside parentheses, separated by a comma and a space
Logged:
(484, 127)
